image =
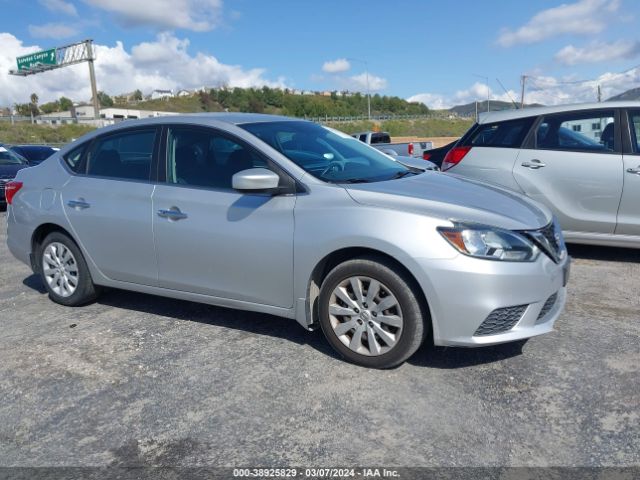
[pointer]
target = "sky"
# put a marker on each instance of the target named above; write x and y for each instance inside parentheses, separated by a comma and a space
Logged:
(438, 53)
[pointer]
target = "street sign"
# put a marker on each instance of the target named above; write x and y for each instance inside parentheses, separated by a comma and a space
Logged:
(45, 57)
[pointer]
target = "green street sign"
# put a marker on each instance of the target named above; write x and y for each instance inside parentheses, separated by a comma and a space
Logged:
(45, 57)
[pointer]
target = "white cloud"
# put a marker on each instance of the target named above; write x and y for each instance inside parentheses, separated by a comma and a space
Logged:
(584, 17)
(337, 66)
(52, 30)
(163, 63)
(60, 6)
(196, 15)
(546, 90)
(598, 52)
(359, 82)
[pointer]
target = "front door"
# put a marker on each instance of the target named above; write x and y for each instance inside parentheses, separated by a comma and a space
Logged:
(109, 205)
(574, 166)
(212, 239)
(629, 213)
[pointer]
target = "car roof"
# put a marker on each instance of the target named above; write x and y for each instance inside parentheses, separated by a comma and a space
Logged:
(502, 115)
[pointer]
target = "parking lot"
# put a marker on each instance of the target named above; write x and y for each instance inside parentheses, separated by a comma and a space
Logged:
(138, 380)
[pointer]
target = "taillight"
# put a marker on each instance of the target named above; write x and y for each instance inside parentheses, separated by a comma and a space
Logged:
(410, 148)
(426, 156)
(454, 157)
(10, 190)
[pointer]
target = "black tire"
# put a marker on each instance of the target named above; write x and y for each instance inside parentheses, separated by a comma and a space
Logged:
(85, 291)
(415, 315)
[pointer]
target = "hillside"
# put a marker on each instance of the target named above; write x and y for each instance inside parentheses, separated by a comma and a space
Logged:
(276, 101)
(469, 109)
(629, 95)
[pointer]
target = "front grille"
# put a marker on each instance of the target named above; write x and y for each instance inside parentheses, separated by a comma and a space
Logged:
(546, 308)
(549, 240)
(501, 320)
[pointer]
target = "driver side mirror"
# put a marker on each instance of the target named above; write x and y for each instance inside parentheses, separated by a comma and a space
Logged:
(256, 180)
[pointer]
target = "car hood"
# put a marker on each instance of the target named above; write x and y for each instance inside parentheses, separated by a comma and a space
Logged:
(454, 198)
(9, 171)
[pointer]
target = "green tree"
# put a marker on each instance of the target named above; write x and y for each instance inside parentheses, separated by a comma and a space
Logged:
(105, 100)
(65, 104)
(34, 104)
(137, 95)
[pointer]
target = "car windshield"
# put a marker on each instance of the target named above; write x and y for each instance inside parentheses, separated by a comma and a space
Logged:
(35, 154)
(7, 157)
(327, 154)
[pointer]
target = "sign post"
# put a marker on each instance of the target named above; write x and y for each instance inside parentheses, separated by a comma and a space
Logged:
(37, 59)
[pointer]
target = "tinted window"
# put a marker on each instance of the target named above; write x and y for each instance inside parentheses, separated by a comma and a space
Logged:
(580, 131)
(7, 157)
(205, 158)
(380, 138)
(73, 159)
(126, 155)
(327, 154)
(634, 122)
(508, 134)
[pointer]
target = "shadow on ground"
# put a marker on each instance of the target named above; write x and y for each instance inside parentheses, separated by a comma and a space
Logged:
(262, 324)
(612, 254)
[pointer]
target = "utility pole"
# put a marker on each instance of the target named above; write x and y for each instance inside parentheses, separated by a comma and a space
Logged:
(599, 94)
(366, 71)
(476, 110)
(523, 80)
(486, 79)
(92, 79)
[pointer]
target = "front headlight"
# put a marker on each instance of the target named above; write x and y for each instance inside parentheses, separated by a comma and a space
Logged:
(490, 243)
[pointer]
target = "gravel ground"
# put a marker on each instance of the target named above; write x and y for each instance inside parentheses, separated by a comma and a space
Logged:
(137, 380)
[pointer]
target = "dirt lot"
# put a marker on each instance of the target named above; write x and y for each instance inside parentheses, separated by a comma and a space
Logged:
(139, 380)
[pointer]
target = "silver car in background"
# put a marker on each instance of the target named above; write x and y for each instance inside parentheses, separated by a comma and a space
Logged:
(582, 161)
(290, 218)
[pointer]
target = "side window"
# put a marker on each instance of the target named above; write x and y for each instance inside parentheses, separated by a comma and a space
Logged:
(205, 158)
(634, 123)
(73, 159)
(509, 134)
(124, 155)
(580, 131)
(363, 137)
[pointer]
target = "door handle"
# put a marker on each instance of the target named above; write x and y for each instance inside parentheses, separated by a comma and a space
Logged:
(534, 164)
(78, 204)
(172, 213)
(634, 170)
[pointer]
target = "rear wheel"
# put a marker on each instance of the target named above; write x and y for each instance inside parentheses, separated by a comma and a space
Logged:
(369, 313)
(64, 271)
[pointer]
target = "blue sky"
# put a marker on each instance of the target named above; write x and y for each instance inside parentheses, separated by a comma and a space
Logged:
(434, 52)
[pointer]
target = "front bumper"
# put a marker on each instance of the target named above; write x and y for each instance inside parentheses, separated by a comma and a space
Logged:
(466, 293)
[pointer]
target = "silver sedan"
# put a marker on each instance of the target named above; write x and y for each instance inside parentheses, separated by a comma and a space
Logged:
(286, 217)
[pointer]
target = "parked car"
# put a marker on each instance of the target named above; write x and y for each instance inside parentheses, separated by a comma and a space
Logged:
(10, 164)
(290, 218)
(436, 155)
(382, 141)
(35, 154)
(582, 161)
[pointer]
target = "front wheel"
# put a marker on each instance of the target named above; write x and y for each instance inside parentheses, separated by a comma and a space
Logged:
(64, 271)
(369, 313)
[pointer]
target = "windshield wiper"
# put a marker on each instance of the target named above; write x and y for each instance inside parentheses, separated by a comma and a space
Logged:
(402, 174)
(354, 180)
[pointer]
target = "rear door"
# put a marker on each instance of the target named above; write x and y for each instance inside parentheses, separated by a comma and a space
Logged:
(629, 212)
(108, 204)
(492, 151)
(572, 163)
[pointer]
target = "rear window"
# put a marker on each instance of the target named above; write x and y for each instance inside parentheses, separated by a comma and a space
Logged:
(509, 134)
(380, 138)
(73, 159)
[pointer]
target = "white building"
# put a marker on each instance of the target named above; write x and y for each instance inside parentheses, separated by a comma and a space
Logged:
(156, 94)
(108, 116)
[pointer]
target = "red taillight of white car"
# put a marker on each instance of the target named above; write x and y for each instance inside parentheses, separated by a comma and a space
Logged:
(10, 190)
(410, 149)
(454, 157)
